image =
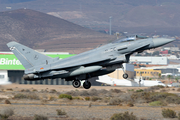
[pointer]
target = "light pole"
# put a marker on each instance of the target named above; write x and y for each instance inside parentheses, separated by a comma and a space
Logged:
(110, 25)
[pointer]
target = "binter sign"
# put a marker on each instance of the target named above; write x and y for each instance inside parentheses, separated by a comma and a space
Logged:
(10, 62)
(6, 61)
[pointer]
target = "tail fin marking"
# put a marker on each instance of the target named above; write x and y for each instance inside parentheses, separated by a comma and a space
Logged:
(27, 56)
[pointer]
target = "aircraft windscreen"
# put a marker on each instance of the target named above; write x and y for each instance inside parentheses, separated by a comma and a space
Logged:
(129, 38)
(125, 39)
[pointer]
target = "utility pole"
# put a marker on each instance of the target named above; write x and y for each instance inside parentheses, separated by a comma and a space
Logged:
(110, 25)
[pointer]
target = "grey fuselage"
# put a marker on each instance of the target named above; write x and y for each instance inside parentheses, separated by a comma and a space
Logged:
(96, 62)
(99, 61)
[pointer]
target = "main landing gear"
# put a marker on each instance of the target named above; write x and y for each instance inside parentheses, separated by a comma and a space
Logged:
(77, 84)
(125, 75)
(86, 84)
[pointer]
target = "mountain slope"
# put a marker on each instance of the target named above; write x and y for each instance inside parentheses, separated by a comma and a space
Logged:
(42, 31)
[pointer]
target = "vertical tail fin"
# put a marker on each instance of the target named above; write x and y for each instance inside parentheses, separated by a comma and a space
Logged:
(27, 56)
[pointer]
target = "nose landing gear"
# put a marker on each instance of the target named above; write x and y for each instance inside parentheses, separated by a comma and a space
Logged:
(125, 75)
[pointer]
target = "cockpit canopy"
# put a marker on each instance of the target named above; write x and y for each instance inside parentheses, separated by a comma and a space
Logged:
(129, 38)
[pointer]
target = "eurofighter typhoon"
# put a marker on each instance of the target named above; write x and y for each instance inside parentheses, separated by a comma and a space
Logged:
(96, 62)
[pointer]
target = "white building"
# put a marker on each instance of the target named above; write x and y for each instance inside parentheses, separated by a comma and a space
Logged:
(149, 60)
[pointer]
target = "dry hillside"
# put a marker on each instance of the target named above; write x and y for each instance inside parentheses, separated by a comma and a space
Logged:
(42, 31)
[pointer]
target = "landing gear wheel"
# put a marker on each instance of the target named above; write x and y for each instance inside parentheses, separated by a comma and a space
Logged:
(86, 84)
(76, 83)
(125, 75)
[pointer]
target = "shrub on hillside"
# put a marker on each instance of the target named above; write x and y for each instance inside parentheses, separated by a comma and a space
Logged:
(94, 98)
(52, 91)
(7, 101)
(19, 96)
(87, 98)
(6, 113)
(93, 92)
(26, 96)
(155, 96)
(178, 89)
(76, 98)
(115, 91)
(102, 91)
(83, 93)
(60, 112)
(126, 97)
(140, 90)
(153, 88)
(173, 99)
(157, 103)
(178, 116)
(40, 117)
(115, 101)
(123, 116)
(130, 104)
(168, 113)
(65, 96)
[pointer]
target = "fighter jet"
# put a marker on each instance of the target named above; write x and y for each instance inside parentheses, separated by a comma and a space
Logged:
(100, 61)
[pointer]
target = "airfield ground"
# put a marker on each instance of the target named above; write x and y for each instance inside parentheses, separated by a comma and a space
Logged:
(43, 100)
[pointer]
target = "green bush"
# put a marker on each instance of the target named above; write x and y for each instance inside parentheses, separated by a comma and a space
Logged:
(157, 103)
(140, 90)
(123, 116)
(65, 96)
(77, 98)
(168, 113)
(34, 90)
(40, 117)
(60, 112)
(87, 98)
(95, 98)
(131, 90)
(160, 86)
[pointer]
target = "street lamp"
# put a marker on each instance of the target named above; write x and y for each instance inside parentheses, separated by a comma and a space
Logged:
(110, 25)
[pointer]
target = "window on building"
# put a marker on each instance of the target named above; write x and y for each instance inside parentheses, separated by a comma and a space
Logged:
(1, 76)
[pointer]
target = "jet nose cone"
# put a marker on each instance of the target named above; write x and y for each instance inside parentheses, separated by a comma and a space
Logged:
(161, 41)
